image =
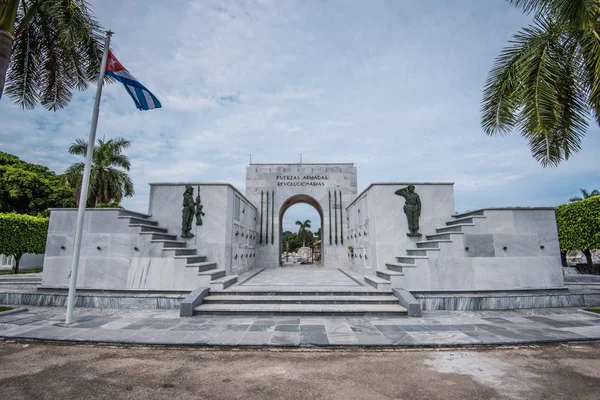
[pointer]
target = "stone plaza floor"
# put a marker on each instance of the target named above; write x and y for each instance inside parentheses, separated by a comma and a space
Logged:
(435, 328)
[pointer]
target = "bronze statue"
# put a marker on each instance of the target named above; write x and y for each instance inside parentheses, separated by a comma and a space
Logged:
(188, 212)
(412, 208)
(199, 207)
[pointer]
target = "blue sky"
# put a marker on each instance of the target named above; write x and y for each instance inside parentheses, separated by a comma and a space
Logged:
(393, 86)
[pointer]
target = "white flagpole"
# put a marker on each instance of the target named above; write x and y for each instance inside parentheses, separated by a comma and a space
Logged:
(85, 184)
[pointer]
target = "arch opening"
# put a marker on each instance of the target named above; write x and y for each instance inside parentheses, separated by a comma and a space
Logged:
(313, 254)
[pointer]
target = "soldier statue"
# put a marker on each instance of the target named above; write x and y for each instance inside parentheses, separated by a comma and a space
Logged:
(412, 208)
(188, 212)
(199, 207)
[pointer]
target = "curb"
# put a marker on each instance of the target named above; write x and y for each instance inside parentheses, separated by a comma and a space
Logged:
(14, 311)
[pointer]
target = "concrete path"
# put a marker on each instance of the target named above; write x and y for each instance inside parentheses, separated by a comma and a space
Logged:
(52, 371)
(435, 328)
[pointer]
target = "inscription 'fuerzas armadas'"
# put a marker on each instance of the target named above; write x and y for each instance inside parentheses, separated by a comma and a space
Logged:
(298, 180)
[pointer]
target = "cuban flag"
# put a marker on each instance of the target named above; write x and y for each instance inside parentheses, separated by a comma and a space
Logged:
(143, 99)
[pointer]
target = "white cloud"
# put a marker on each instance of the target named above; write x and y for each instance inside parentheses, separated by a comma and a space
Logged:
(392, 86)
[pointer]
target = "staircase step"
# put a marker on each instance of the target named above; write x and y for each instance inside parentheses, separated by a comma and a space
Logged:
(359, 291)
(398, 267)
(129, 213)
(300, 299)
(302, 309)
(468, 214)
(223, 283)
(149, 228)
(377, 282)
(431, 244)
(203, 266)
(420, 252)
(179, 251)
(192, 259)
(170, 243)
(442, 236)
(18, 282)
(214, 273)
(453, 228)
(160, 236)
(387, 275)
(410, 259)
(467, 220)
(139, 221)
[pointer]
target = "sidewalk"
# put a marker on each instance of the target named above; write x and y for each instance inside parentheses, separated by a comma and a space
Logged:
(435, 328)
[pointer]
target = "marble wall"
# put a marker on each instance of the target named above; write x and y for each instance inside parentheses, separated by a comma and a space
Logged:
(328, 187)
(378, 226)
(227, 235)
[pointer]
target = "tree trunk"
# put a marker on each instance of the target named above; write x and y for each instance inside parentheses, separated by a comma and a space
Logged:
(563, 259)
(6, 42)
(17, 262)
(588, 257)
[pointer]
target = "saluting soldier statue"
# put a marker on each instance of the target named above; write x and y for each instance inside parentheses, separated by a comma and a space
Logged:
(412, 208)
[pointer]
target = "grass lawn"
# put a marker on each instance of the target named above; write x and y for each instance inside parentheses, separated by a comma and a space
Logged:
(21, 271)
(5, 308)
(595, 310)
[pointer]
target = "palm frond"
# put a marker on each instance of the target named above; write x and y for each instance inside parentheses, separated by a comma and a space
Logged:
(68, 53)
(23, 78)
(79, 147)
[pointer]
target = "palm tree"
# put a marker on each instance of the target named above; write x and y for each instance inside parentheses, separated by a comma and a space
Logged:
(304, 232)
(546, 82)
(56, 46)
(108, 183)
(585, 195)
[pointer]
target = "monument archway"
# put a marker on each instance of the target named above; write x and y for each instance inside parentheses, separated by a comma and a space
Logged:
(273, 188)
(300, 199)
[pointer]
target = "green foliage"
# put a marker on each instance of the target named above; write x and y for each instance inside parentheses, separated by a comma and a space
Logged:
(20, 234)
(304, 233)
(114, 204)
(585, 195)
(30, 188)
(579, 225)
(547, 81)
(108, 183)
(291, 242)
(57, 48)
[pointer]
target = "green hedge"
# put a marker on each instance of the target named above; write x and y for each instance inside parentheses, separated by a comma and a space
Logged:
(20, 234)
(579, 226)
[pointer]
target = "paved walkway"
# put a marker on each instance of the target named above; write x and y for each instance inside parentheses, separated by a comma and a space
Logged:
(435, 328)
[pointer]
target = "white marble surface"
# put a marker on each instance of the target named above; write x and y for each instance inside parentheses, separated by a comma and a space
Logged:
(341, 178)
(379, 212)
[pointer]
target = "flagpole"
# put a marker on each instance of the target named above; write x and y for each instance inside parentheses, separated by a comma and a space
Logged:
(85, 184)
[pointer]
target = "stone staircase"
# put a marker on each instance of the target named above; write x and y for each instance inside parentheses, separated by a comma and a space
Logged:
(20, 280)
(179, 250)
(445, 240)
(365, 302)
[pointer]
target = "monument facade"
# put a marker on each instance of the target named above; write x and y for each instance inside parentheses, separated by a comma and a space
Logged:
(404, 235)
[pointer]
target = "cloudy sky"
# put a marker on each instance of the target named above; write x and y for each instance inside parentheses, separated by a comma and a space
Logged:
(393, 86)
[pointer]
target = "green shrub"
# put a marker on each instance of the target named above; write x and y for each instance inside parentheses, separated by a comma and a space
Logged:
(114, 204)
(20, 234)
(579, 226)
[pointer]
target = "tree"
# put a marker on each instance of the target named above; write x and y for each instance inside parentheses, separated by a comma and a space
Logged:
(585, 195)
(30, 188)
(20, 234)
(304, 233)
(547, 81)
(47, 48)
(578, 226)
(108, 183)
(291, 242)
